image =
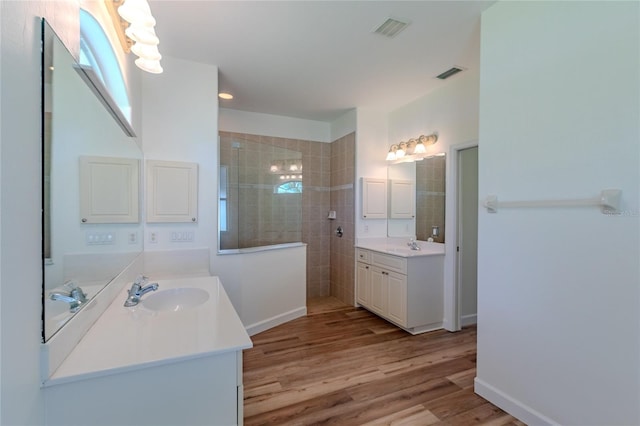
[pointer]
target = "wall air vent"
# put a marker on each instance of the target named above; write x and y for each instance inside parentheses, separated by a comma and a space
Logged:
(448, 73)
(391, 27)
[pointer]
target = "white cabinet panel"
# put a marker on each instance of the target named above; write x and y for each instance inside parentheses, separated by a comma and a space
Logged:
(379, 288)
(402, 199)
(363, 284)
(172, 191)
(374, 198)
(109, 190)
(397, 304)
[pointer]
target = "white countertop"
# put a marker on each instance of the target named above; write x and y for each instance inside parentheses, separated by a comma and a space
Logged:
(399, 247)
(123, 338)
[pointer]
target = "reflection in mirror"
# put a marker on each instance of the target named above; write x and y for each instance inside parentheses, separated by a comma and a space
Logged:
(430, 198)
(80, 258)
(260, 194)
(429, 178)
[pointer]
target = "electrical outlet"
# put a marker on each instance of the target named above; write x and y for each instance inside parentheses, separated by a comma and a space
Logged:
(132, 237)
(153, 237)
(185, 236)
(100, 238)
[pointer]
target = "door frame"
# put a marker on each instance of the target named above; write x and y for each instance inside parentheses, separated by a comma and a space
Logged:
(451, 320)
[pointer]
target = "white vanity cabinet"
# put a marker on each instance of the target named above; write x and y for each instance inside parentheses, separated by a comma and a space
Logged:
(151, 366)
(407, 291)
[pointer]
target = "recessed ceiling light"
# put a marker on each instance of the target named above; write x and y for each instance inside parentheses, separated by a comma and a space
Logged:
(226, 96)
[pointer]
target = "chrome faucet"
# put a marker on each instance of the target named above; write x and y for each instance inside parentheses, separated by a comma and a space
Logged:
(138, 289)
(413, 244)
(75, 297)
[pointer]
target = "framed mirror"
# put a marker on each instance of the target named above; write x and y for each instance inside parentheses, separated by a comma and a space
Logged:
(428, 178)
(81, 253)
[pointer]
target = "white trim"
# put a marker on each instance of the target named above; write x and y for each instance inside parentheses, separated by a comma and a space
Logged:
(470, 319)
(264, 325)
(451, 321)
(512, 406)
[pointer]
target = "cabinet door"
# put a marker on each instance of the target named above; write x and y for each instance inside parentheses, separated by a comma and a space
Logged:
(374, 198)
(108, 190)
(379, 290)
(397, 298)
(172, 191)
(363, 284)
(401, 199)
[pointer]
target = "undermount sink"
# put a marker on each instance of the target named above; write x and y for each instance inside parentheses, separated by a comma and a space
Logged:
(175, 299)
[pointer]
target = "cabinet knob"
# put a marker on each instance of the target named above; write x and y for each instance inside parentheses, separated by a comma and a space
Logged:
(84, 220)
(193, 219)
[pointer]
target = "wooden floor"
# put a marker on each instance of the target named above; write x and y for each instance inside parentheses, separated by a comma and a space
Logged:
(342, 365)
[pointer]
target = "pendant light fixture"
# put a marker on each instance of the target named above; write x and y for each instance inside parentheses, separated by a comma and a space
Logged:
(141, 30)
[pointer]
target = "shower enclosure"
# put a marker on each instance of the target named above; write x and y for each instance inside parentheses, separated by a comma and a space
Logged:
(260, 193)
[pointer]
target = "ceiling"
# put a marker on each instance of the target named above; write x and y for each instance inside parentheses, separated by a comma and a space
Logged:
(318, 59)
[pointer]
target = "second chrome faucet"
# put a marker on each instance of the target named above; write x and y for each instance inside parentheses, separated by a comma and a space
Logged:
(138, 289)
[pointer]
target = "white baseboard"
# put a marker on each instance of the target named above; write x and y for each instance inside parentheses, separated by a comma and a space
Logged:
(468, 320)
(512, 406)
(264, 325)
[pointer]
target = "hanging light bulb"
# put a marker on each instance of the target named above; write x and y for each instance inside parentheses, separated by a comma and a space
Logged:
(149, 65)
(420, 148)
(142, 34)
(391, 155)
(137, 12)
(146, 51)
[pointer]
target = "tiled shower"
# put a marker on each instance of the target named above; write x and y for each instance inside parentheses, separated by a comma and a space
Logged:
(327, 173)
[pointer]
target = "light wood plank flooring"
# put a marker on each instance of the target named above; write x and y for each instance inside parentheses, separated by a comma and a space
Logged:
(342, 365)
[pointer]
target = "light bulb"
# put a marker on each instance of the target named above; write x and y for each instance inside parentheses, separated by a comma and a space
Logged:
(137, 12)
(146, 51)
(149, 66)
(141, 34)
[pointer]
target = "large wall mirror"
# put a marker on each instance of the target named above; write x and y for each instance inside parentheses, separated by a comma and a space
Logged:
(88, 163)
(428, 178)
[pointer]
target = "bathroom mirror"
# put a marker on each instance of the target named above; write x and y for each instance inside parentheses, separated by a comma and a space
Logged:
(80, 257)
(429, 177)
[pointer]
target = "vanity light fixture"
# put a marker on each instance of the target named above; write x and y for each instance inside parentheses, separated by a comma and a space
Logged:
(134, 25)
(412, 150)
(225, 96)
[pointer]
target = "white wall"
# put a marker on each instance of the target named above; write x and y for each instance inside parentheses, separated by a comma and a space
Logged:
(371, 149)
(343, 125)
(231, 120)
(20, 199)
(20, 203)
(451, 111)
(559, 302)
(179, 123)
(266, 288)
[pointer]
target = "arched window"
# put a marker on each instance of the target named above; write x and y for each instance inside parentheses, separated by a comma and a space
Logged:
(289, 187)
(96, 52)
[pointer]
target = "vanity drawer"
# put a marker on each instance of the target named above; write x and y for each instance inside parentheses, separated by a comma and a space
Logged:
(363, 255)
(394, 263)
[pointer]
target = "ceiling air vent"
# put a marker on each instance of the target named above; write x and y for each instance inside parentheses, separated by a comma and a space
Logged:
(448, 73)
(391, 27)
